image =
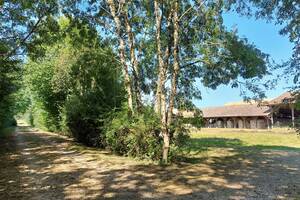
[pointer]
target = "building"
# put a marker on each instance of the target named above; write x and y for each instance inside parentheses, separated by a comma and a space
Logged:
(237, 116)
(278, 112)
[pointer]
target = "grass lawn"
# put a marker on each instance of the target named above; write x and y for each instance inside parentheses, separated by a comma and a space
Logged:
(227, 142)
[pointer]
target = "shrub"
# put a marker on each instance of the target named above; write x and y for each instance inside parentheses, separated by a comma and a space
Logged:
(6, 114)
(97, 89)
(84, 121)
(38, 116)
(140, 135)
(136, 136)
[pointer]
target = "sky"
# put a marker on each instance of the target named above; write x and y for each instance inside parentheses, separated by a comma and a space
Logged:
(267, 38)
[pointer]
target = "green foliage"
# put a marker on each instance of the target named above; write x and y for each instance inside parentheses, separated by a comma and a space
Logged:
(209, 52)
(7, 112)
(140, 135)
(10, 71)
(96, 90)
(179, 135)
(136, 136)
(195, 121)
(41, 76)
(25, 25)
(285, 13)
(83, 123)
(74, 94)
(6, 132)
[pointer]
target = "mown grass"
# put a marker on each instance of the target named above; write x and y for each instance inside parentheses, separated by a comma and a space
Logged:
(226, 142)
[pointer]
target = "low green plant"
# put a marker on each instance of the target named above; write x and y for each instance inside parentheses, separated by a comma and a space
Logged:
(140, 135)
(84, 120)
(136, 136)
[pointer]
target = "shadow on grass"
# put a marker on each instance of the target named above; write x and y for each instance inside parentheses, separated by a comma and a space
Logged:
(204, 144)
(239, 176)
(196, 149)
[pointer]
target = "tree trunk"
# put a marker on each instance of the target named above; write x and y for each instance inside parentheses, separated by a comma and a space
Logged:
(122, 54)
(134, 64)
(166, 146)
(163, 63)
(158, 19)
(176, 67)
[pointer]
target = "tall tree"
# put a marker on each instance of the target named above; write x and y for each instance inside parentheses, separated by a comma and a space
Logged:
(76, 84)
(165, 46)
(122, 53)
(200, 48)
(24, 26)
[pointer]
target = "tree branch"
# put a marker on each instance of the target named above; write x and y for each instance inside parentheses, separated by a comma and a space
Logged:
(189, 9)
(29, 34)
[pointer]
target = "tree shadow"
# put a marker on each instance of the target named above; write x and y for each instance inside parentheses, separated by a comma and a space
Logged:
(251, 172)
(231, 177)
(59, 170)
(25, 158)
(263, 175)
(203, 144)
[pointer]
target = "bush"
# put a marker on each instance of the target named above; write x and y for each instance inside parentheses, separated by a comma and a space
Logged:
(136, 136)
(9, 122)
(38, 116)
(179, 135)
(96, 91)
(73, 88)
(84, 121)
(140, 136)
(6, 113)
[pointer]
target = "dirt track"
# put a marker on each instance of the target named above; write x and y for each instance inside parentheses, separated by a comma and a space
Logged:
(37, 165)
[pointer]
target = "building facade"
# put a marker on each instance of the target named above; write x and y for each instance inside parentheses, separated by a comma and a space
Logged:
(278, 112)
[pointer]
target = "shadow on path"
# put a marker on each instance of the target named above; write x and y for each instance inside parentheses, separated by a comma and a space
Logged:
(37, 165)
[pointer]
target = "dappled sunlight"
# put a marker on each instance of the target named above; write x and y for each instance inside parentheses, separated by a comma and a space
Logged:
(47, 166)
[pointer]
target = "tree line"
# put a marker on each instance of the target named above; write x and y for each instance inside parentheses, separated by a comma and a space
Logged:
(110, 73)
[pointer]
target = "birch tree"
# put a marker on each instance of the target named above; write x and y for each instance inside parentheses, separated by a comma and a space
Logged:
(165, 46)
(118, 25)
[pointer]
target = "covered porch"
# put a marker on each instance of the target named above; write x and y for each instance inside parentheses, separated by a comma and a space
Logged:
(258, 122)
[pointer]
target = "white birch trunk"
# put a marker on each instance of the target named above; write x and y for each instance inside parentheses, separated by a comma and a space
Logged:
(161, 97)
(176, 66)
(134, 64)
(158, 19)
(122, 53)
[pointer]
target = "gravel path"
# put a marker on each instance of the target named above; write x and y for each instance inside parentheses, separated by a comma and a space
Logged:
(39, 165)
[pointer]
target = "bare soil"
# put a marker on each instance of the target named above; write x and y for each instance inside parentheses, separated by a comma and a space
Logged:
(40, 165)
